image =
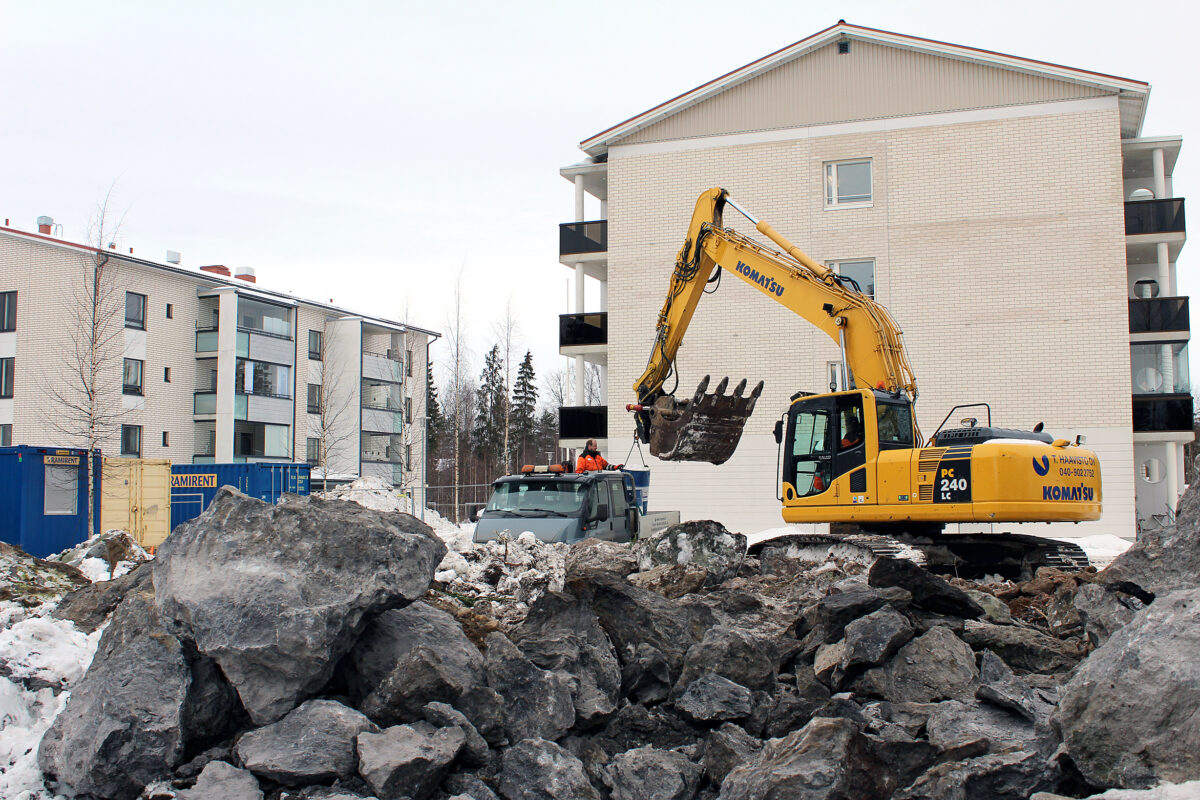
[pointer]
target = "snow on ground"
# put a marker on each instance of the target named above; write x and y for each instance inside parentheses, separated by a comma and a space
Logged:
(1102, 548)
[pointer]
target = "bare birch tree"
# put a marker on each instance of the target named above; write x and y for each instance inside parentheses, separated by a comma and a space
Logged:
(458, 386)
(85, 395)
(334, 402)
(506, 331)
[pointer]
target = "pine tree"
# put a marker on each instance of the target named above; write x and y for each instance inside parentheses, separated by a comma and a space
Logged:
(523, 421)
(488, 435)
(436, 423)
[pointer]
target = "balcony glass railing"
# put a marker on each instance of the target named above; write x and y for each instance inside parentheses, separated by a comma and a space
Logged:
(583, 237)
(583, 422)
(1160, 368)
(1165, 413)
(206, 341)
(582, 329)
(1159, 314)
(1154, 216)
(383, 449)
(204, 403)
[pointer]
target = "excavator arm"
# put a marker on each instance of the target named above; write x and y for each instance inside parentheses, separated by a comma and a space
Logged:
(707, 427)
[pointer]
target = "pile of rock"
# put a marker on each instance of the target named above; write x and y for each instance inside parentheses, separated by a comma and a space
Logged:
(296, 651)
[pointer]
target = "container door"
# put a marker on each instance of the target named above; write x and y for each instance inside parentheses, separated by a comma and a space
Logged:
(117, 495)
(154, 502)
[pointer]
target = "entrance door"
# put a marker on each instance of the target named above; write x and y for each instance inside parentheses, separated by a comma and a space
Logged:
(808, 456)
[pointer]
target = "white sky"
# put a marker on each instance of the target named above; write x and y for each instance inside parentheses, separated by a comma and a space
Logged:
(364, 152)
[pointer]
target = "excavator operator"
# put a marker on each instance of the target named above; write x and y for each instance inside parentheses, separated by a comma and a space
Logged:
(590, 459)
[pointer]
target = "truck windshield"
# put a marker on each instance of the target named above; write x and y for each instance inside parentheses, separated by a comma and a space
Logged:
(553, 496)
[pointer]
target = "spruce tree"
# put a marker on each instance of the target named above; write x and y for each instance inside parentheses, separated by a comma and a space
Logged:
(435, 423)
(523, 416)
(492, 399)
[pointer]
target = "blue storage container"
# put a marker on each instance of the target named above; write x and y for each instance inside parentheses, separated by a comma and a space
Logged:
(43, 497)
(193, 486)
(641, 486)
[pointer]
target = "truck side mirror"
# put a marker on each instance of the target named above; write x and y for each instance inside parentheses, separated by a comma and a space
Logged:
(631, 514)
(474, 513)
(602, 511)
(779, 431)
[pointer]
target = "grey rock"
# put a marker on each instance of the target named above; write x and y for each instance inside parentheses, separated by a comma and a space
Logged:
(792, 707)
(484, 707)
(954, 725)
(1000, 686)
(835, 611)
(326, 793)
(465, 785)
(740, 656)
(411, 656)
(278, 594)
(994, 609)
(827, 663)
(1103, 611)
(590, 750)
(1003, 776)
(871, 640)
(649, 774)
(314, 743)
(89, 606)
(225, 781)
(129, 719)
(726, 748)
(828, 759)
(475, 749)
(535, 769)
(1163, 560)
(538, 703)
(561, 633)
(935, 666)
(713, 698)
(671, 580)
(636, 725)
(1023, 648)
(928, 590)
(404, 761)
(1128, 716)
(592, 556)
(703, 542)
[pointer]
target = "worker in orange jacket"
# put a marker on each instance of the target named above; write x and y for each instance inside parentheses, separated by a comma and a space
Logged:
(590, 459)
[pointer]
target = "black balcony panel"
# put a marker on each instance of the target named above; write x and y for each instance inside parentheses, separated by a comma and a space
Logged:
(1172, 412)
(1154, 216)
(583, 422)
(582, 329)
(1159, 314)
(583, 237)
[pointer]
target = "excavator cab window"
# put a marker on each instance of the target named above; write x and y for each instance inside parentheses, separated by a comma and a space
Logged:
(895, 425)
(852, 445)
(809, 453)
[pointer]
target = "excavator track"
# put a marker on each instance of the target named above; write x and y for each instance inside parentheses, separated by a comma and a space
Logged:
(819, 547)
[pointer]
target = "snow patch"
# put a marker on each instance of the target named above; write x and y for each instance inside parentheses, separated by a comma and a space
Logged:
(49, 650)
(1101, 548)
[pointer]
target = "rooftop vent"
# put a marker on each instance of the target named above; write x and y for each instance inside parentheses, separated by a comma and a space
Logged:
(173, 257)
(45, 224)
(843, 47)
(246, 274)
(216, 269)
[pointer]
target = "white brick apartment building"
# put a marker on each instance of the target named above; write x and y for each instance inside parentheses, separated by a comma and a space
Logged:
(1008, 212)
(208, 366)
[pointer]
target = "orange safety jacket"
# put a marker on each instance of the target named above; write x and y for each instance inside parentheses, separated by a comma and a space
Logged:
(587, 463)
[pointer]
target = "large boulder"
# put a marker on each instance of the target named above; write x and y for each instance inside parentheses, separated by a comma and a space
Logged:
(997, 776)
(928, 590)
(314, 743)
(1022, 647)
(871, 640)
(935, 666)
(977, 728)
(538, 703)
(711, 698)
(1166, 559)
(645, 773)
(727, 748)
(408, 657)
(89, 606)
(703, 542)
(475, 749)
(223, 780)
(740, 656)
(535, 769)
(1128, 716)
(561, 633)
(407, 760)
(145, 699)
(671, 580)
(592, 556)
(1103, 610)
(278, 594)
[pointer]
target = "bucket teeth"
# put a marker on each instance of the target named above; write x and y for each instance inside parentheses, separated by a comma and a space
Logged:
(706, 428)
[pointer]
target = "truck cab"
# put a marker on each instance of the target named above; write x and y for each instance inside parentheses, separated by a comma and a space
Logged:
(559, 506)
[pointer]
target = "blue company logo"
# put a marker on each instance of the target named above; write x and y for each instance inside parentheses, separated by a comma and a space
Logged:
(765, 281)
(1043, 467)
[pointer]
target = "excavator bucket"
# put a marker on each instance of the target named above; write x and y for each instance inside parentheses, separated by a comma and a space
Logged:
(707, 427)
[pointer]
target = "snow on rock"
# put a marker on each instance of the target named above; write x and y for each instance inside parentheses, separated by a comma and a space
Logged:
(378, 494)
(505, 576)
(24, 717)
(30, 581)
(43, 651)
(105, 556)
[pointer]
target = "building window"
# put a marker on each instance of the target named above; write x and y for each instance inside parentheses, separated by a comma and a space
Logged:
(131, 383)
(408, 363)
(848, 183)
(314, 398)
(61, 496)
(131, 440)
(5, 435)
(314, 451)
(135, 310)
(861, 271)
(7, 365)
(408, 455)
(262, 378)
(166, 374)
(166, 439)
(408, 410)
(314, 345)
(8, 311)
(170, 311)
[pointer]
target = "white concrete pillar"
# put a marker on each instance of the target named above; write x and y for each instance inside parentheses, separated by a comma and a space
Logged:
(1160, 173)
(1172, 477)
(580, 395)
(579, 198)
(1165, 359)
(227, 319)
(1166, 287)
(603, 209)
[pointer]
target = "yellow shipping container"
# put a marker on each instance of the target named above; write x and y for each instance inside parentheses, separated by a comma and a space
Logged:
(135, 496)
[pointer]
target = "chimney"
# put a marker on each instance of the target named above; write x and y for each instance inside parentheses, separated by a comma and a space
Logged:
(45, 224)
(173, 257)
(216, 269)
(246, 274)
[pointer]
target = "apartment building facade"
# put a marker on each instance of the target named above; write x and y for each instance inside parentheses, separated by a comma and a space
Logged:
(205, 365)
(1008, 212)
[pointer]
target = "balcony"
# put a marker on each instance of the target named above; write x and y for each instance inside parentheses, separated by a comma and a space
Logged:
(387, 367)
(575, 238)
(1159, 315)
(582, 330)
(204, 403)
(583, 422)
(1158, 413)
(1154, 216)
(383, 448)
(206, 341)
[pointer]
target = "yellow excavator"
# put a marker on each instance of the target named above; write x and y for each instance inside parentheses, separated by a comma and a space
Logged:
(856, 458)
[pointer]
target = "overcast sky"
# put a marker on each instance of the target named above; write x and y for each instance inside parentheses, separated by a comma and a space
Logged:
(366, 152)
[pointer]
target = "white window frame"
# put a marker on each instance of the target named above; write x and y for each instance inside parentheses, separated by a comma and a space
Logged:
(829, 179)
(836, 266)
